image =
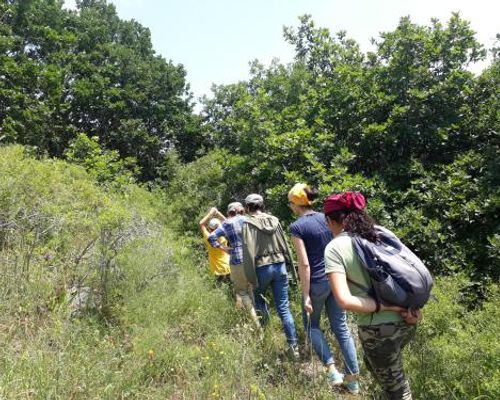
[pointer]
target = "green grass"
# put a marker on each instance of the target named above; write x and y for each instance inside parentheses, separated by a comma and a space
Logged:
(160, 328)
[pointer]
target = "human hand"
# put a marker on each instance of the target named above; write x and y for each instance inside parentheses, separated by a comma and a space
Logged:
(411, 316)
(213, 210)
(227, 249)
(308, 308)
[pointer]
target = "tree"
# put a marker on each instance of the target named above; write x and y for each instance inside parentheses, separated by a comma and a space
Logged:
(407, 124)
(89, 71)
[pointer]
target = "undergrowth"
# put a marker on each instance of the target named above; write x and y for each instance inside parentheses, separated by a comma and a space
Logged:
(154, 325)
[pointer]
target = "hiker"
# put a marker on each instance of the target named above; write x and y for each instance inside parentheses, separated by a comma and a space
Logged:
(265, 259)
(218, 259)
(310, 235)
(231, 229)
(384, 330)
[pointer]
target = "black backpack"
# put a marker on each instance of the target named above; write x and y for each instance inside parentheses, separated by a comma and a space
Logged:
(398, 276)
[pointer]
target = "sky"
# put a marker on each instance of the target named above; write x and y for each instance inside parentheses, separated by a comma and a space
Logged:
(216, 39)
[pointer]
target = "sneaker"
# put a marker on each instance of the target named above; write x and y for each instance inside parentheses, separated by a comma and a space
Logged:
(352, 387)
(335, 378)
(293, 352)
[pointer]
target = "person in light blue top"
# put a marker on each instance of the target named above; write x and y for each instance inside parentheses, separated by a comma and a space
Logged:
(310, 236)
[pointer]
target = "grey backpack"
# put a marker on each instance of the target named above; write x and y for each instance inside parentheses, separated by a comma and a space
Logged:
(398, 276)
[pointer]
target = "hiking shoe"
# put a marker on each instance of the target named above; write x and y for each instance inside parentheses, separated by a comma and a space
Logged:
(352, 387)
(335, 378)
(293, 352)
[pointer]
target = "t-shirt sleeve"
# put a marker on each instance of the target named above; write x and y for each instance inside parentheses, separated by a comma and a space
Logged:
(295, 230)
(333, 260)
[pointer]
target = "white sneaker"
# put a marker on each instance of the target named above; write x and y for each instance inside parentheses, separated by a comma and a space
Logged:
(335, 378)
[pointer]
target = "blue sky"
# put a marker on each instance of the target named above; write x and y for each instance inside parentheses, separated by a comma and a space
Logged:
(216, 39)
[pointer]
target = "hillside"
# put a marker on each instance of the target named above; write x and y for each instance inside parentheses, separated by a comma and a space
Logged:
(154, 326)
(106, 169)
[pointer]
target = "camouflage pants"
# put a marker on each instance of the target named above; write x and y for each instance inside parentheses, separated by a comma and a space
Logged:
(382, 347)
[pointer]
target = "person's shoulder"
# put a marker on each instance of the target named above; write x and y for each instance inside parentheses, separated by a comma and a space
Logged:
(343, 238)
(329, 246)
(265, 215)
(339, 242)
(295, 224)
(320, 215)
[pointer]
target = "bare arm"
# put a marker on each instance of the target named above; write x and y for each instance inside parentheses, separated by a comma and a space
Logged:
(344, 298)
(203, 222)
(304, 269)
(304, 272)
(218, 214)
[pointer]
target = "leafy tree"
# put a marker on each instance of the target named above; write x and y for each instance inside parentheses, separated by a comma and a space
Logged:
(407, 124)
(89, 71)
(104, 166)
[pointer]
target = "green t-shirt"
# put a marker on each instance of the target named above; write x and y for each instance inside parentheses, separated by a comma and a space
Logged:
(341, 258)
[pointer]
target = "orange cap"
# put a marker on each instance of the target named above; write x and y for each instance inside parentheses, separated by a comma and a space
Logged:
(298, 196)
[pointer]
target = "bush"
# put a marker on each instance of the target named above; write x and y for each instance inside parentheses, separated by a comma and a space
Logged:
(456, 353)
(163, 330)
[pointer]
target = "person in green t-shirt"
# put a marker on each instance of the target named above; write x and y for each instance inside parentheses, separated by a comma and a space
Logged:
(384, 330)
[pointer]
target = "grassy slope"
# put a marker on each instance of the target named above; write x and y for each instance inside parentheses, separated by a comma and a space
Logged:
(161, 330)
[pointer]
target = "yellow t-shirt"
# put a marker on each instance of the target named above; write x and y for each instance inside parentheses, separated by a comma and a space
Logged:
(218, 259)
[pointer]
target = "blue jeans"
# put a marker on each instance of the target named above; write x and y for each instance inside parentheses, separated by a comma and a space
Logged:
(322, 297)
(276, 276)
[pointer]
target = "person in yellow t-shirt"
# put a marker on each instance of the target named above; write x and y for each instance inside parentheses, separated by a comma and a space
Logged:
(218, 258)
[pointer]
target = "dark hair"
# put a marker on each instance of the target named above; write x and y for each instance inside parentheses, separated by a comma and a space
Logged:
(252, 207)
(312, 194)
(234, 213)
(356, 223)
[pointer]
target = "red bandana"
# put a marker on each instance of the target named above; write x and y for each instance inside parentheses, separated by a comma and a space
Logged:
(349, 201)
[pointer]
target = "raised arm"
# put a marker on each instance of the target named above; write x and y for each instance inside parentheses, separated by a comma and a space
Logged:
(218, 214)
(203, 222)
(213, 212)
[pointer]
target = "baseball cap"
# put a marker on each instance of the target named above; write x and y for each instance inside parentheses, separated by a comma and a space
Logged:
(235, 207)
(254, 198)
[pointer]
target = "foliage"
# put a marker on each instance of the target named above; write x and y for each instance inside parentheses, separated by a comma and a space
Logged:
(456, 353)
(104, 166)
(65, 72)
(150, 337)
(407, 124)
(212, 180)
(57, 231)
